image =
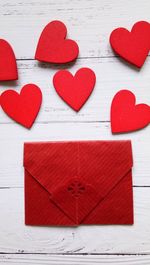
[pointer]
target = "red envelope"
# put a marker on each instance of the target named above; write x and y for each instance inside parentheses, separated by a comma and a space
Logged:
(81, 182)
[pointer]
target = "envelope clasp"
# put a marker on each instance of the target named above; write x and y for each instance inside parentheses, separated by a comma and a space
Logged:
(76, 188)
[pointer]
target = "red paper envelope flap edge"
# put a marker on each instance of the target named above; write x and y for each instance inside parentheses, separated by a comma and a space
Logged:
(101, 163)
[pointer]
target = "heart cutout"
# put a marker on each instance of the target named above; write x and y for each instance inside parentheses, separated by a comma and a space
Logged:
(125, 115)
(53, 47)
(75, 90)
(23, 107)
(8, 66)
(132, 46)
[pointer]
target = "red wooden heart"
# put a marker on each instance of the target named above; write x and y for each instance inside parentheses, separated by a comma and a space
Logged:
(53, 47)
(75, 90)
(22, 108)
(8, 66)
(132, 46)
(125, 115)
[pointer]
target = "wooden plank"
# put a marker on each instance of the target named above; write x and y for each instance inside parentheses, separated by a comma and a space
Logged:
(15, 237)
(73, 259)
(89, 22)
(12, 137)
(112, 76)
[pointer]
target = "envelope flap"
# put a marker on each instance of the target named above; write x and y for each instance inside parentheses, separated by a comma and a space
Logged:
(105, 163)
(76, 198)
(51, 163)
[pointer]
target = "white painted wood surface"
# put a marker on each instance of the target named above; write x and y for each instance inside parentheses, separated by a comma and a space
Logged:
(89, 22)
(74, 259)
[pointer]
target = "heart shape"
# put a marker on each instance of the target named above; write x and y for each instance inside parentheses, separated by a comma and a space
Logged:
(53, 47)
(22, 108)
(8, 66)
(125, 115)
(132, 46)
(75, 90)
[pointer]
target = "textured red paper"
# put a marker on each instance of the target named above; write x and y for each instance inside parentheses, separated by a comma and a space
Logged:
(125, 115)
(53, 47)
(84, 182)
(132, 46)
(23, 107)
(75, 90)
(8, 66)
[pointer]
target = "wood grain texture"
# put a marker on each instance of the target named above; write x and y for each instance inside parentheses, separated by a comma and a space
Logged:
(21, 259)
(15, 237)
(89, 22)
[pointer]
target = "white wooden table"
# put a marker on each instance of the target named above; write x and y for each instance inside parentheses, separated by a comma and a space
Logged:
(89, 22)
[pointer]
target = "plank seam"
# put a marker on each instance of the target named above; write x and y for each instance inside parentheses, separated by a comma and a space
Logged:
(48, 122)
(80, 58)
(76, 254)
